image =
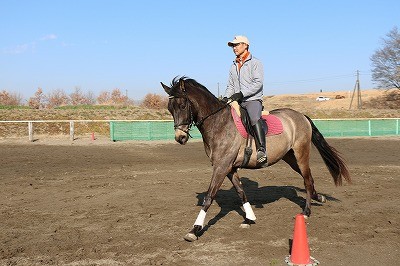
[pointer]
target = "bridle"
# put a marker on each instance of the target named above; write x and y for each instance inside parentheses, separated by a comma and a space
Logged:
(191, 121)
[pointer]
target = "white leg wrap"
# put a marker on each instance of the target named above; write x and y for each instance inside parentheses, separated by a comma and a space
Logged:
(200, 218)
(249, 212)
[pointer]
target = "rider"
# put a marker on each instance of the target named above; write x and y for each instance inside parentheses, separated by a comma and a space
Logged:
(245, 85)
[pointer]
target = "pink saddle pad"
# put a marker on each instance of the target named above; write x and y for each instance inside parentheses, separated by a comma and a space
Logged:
(275, 126)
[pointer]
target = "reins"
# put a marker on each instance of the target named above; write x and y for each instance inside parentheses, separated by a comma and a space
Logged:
(213, 113)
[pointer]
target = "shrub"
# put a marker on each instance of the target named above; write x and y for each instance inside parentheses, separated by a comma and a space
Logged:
(154, 101)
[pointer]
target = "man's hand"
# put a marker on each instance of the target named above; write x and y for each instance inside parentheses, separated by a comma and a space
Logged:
(225, 100)
(237, 97)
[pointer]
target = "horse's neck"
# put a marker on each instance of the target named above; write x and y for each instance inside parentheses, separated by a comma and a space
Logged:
(214, 130)
(213, 123)
(205, 106)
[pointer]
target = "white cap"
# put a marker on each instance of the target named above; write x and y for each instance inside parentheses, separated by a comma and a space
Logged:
(239, 39)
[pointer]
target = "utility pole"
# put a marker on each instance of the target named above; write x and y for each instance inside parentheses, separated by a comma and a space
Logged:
(357, 91)
(218, 90)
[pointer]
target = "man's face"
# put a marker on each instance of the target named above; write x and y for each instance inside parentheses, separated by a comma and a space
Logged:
(239, 48)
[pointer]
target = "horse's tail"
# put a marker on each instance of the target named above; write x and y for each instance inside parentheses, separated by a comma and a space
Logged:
(333, 161)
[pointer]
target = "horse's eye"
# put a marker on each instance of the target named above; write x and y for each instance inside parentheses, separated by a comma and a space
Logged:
(183, 106)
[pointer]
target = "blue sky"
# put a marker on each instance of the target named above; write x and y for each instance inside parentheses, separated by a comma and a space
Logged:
(305, 46)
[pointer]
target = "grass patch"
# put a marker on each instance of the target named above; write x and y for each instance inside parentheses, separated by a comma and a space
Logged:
(94, 107)
(13, 107)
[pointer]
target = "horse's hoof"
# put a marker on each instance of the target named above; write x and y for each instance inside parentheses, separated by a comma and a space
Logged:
(305, 216)
(245, 226)
(246, 223)
(321, 198)
(190, 237)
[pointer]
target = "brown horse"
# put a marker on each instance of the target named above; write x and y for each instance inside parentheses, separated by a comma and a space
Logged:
(190, 103)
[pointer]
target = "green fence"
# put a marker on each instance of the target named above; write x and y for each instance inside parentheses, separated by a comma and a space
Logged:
(145, 130)
(164, 130)
(358, 127)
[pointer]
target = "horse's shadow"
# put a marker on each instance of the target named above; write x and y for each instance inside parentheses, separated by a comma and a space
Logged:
(228, 200)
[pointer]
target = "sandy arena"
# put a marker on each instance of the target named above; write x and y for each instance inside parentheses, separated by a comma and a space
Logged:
(130, 203)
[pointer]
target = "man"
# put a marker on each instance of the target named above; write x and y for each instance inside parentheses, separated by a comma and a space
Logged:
(245, 85)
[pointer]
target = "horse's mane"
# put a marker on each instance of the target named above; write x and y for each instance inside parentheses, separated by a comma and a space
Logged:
(189, 82)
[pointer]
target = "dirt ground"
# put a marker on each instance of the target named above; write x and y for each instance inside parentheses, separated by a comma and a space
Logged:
(130, 203)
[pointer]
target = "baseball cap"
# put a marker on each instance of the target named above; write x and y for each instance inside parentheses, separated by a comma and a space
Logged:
(239, 39)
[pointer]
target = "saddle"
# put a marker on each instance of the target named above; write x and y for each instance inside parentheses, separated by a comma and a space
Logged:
(243, 125)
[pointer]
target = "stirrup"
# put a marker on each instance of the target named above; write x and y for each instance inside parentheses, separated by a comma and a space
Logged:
(261, 156)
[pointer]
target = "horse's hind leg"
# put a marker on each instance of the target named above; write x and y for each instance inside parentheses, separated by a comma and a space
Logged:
(300, 163)
(250, 216)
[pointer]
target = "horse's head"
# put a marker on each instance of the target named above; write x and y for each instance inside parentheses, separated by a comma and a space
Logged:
(179, 106)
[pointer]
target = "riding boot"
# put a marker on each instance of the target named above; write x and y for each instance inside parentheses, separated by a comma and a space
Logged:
(259, 134)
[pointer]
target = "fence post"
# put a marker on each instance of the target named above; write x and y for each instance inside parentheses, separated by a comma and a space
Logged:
(112, 131)
(30, 131)
(71, 130)
(149, 130)
(369, 127)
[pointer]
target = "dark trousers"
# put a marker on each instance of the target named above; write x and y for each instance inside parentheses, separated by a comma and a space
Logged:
(254, 109)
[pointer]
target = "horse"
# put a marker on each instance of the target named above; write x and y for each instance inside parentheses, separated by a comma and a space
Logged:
(192, 104)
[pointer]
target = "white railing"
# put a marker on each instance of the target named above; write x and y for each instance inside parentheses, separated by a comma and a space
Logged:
(71, 125)
(393, 131)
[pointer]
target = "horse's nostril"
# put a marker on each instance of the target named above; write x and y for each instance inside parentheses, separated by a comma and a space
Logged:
(182, 139)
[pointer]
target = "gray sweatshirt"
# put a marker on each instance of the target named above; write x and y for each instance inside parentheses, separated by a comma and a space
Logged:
(249, 79)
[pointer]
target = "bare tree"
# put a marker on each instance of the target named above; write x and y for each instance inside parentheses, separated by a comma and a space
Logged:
(386, 61)
(154, 101)
(79, 98)
(38, 100)
(104, 98)
(90, 97)
(11, 99)
(57, 98)
(114, 98)
(118, 98)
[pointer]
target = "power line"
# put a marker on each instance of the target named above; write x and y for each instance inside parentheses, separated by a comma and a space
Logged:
(310, 80)
(313, 79)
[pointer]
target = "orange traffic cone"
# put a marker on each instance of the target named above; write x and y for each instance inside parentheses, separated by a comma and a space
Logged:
(300, 254)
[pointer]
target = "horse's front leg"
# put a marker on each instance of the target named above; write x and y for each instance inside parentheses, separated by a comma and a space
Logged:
(216, 182)
(250, 216)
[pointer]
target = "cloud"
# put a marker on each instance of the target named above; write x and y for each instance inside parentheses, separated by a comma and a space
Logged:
(28, 47)
(20, 49)
(64, 44)
(48, 37)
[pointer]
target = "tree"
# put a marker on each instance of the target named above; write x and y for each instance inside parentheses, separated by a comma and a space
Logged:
(118, 98)
(37, 101)
(386, 61)
(104, 98)
(11, 99)
(79, 98)
(57, 98)
(154, 101)
(114, 98)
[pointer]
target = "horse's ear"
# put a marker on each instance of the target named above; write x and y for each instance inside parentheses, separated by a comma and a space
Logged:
(166, 88)
(182, 84)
